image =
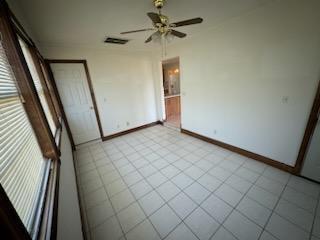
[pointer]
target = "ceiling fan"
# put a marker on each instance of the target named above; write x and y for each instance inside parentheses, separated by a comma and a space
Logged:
(162, 26)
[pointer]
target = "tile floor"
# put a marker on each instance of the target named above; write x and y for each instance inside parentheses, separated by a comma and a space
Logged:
(174, 120)
(160, 184)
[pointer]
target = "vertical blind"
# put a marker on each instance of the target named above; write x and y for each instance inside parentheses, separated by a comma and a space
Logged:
(37, 83)
(23, 168)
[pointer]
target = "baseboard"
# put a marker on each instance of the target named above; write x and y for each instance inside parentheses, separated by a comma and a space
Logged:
(243, 152)
(309, 179)
(105, 138)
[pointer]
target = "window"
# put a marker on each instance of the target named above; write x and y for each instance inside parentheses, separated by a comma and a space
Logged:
(29, 137)
(47, 79)
(23, 169)
(37, 82)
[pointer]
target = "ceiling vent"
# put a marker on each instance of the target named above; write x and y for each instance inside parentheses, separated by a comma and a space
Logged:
(116, 40)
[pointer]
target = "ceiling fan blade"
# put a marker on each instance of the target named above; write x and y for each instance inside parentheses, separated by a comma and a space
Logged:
(149, 39)
(186, 22)
(154, 17)
(178, 34)
(140, 30)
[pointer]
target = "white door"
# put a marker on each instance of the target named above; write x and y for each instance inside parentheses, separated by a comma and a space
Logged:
(311, 167)
(72, 84)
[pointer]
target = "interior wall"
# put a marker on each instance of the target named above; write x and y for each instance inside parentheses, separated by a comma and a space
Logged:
(251, 81)
(69, 220)
(122, 82)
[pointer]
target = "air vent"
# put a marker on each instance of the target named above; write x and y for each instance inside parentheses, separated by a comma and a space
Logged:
(116, 40)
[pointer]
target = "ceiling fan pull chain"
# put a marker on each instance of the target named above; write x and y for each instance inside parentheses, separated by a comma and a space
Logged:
(165, 44)
(162, 49)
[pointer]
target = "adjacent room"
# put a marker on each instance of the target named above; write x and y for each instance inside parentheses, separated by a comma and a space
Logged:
(160, 120)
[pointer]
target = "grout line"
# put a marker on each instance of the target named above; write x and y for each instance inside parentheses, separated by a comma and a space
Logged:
(115, 214)
(165, 201)
(194, 181)
(235, 207)
(208, 152)
(177, 140)
(136, 201)
(243, 195)
(314, 217)
(273, 211)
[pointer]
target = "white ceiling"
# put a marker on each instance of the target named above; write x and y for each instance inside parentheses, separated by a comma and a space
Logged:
(88, 22)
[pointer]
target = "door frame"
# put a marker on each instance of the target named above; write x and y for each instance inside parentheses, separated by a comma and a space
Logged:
(92, 94)
(311, 125)
(167, 60)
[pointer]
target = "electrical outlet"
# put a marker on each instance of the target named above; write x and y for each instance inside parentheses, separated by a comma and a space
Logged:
(215, 131)
(128, 123)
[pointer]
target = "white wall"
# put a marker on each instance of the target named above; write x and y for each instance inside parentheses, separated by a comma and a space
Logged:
(122, 81)
(235, 78)
(69, 220)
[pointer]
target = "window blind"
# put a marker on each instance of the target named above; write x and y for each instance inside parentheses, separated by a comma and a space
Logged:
(37, 83)
(23, 169)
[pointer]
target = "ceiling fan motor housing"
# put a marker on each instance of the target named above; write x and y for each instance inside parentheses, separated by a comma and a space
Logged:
(158, 3)
(164, 19)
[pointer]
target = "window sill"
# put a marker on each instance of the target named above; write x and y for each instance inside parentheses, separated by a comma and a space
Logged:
(48, 226)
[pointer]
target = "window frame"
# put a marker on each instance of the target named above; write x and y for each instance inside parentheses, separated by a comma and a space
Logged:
(44, 84)
(51, 88)
(11, 225)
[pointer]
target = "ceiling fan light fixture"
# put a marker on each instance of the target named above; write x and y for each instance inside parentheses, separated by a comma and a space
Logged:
(169, 37)
(156, 38)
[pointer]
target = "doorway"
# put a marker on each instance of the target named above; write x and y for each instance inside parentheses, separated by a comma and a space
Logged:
(77, 97)
(311, 166)
(308, 163)
(171, 87)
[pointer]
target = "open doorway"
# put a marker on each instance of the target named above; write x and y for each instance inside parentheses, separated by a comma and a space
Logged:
(308, 162)
(171, 87)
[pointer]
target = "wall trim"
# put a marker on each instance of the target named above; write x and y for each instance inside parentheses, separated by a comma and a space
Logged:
(311, 125)
(241, 151)
(105, 138)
